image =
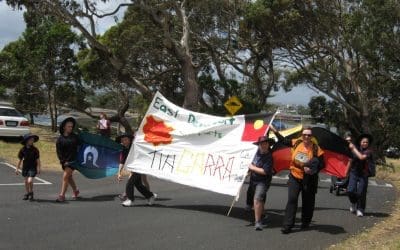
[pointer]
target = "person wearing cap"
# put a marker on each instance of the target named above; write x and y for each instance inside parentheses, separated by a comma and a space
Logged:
(135, 179)
(29, 157)
(67, 148)
(362, 166)
(260, 177)
(306, 162)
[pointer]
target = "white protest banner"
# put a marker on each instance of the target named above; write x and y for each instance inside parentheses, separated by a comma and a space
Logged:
(194, 149)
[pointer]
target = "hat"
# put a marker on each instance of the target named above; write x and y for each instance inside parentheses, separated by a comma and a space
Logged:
(368, 136)
(119, 138)
(263, 139)
(62, 125)
(26, 137)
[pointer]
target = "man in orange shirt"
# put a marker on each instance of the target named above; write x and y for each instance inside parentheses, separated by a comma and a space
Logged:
(306, 162)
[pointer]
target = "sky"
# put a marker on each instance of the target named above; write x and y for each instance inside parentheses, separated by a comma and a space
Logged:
(12, 25)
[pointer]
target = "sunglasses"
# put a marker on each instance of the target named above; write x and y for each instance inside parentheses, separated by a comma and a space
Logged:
(307, 135)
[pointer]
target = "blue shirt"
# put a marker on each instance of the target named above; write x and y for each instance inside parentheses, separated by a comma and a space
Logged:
(263, 161)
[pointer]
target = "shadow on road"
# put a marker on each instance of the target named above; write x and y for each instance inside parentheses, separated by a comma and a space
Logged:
(378, 215)
(331, 229)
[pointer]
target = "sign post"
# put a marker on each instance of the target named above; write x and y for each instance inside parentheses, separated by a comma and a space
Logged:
(233, 105)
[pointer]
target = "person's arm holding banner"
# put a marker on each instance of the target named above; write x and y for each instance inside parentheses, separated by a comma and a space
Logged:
(256, 170)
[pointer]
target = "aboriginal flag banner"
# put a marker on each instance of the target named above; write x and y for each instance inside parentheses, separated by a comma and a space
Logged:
(336, 152)
(256, 125)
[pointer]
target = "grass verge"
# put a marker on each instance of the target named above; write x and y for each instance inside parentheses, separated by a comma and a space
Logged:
(385, 234)
(47, 147)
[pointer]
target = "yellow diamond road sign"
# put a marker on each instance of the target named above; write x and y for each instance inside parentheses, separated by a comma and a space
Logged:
(233, 105)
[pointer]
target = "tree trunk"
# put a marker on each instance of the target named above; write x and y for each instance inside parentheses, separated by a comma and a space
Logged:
(32, 119)
(120, 116)
(55, 112)
(51, 112)
(191, 100)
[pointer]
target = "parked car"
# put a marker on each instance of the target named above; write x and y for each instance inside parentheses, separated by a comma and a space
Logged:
(392, 152)
(12, 122)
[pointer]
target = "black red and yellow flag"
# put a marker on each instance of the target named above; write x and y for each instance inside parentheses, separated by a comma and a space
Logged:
(336, 151)
(256, 125)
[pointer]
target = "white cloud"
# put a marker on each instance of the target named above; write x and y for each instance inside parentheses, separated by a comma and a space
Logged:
(11, 24)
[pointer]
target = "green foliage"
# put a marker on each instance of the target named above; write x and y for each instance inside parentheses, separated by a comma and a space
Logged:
(43, 61)
(318, 109)
(105, 100)
(3, 91)
(29, 99)
(347, 50)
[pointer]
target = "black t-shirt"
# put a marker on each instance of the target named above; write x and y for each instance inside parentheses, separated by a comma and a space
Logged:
(360, 167)
(29, 155)
(124, 154)
(263, 161)
(67, 148)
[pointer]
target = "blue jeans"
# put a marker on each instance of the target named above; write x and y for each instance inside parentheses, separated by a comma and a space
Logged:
(357, 190)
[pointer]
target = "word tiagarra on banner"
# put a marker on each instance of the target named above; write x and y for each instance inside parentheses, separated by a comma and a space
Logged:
(195, 149)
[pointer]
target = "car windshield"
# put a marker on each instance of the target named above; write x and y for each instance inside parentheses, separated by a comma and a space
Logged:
(9, 112)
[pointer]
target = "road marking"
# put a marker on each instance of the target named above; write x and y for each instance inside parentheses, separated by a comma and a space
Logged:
(43, 182)
(371, 182)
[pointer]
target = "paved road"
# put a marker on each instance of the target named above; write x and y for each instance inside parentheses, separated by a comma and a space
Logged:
(183, 217)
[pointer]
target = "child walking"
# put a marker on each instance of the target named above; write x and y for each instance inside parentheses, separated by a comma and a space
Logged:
(135, 179)
(29, 158)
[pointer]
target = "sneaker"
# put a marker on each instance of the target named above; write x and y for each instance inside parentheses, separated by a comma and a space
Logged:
(151, 200)
(26, 197)
(75, 194)
(353, 208)
(127, 203)
(122, 197)
(258, 226)
(286, 230)
(61, 198)
(264, 220)
(360, 213)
